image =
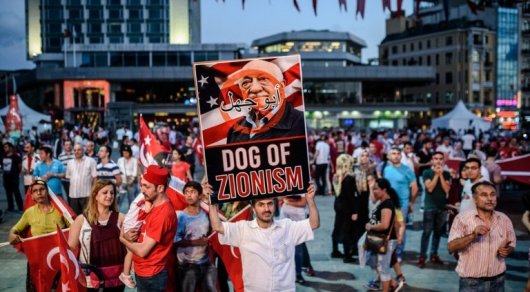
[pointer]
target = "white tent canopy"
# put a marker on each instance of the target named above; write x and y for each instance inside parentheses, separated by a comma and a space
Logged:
(460, 118)
(30, 117)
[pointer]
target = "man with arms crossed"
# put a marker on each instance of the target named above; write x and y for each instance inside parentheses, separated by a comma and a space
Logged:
(483, 239)
(267, 246)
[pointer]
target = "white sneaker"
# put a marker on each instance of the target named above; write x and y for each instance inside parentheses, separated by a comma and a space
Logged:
(127, 280)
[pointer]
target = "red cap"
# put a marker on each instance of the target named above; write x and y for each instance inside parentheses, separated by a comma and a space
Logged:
(156, 175)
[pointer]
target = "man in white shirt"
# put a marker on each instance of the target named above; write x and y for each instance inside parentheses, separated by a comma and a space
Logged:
(321, 160)
(446, 147)
(472, 168)
(82, 172)
(267, 246)
(29, 160)
(408, 157)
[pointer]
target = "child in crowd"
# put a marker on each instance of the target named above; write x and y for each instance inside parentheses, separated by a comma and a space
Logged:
(133, 220)
(195, 268)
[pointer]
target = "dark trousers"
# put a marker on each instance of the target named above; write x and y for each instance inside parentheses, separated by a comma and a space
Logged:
(155, 283)
(77, 204)
(66, 186)
(11, 186)
(433, 223)
(320, 178)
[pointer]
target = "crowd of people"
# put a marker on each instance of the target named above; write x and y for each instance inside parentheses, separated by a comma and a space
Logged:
(376, 178)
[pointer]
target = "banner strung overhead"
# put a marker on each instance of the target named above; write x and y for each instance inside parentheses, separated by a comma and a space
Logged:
(253, 127)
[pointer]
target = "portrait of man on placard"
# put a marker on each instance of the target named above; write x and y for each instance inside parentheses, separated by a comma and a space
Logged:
(269, 114)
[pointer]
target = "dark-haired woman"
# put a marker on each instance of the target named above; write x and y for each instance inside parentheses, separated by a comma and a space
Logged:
(381, 222)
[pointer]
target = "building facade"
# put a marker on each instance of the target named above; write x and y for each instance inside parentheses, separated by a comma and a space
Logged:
(339, 90)
(475, 55)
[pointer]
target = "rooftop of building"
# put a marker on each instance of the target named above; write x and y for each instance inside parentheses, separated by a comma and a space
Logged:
(309, 35)
(435, 28)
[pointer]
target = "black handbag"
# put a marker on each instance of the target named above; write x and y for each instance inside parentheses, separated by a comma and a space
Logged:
(377, 242)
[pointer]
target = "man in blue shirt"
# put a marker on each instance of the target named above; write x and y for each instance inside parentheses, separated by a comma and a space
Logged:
(403, 181)
(50, 170)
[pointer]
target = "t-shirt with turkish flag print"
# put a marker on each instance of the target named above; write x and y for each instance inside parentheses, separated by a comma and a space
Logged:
(160, 225)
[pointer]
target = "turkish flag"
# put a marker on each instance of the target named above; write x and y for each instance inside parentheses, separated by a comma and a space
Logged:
(516, 168)
(230, 255)
(72, 277)
(150, 147)
(199, 150)
(43, 264)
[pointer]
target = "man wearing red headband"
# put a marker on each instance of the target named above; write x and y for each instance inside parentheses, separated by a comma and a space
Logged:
(155, 238)
(270, 115)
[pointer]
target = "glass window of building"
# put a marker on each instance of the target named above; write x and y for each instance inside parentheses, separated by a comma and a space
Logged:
(53, 13)
(394, 49)
(136, 39)
(404, 48)
(448, 58)
(54, 27)
(114, 2)
(95, 14)
(420, 45)
(155, 13)
(134, 27)
(115, 14)
(412, 47)
(155, 2)
(73, 2)
(115, 39)
(429, 60)
(93, 2)
(200, 56)
(134, 2)
(159, 59)
(437, 60)
(95, 40)
(154, 27)
(135, 13)
(437, 78)
(395, 63)
(142, 59)
(75, 14)
(114, 28)
(449, 97)
(94, 27)
(448, 77)
(155, 39)
(116, 59)
(475, 75)
(475, 56)
(54, 42)
(428, 44)
(53, 2)
(448, 40)
(184, 59)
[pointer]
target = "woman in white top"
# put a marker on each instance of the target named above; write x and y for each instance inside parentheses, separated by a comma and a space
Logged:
(97, 233)
(129, 170)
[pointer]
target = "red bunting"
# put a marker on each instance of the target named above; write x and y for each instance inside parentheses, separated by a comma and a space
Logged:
(342, 3)
(315, 6)
(361, 4)
(295, 3)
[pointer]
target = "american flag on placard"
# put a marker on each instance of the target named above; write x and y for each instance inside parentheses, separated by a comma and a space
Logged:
(213, 84)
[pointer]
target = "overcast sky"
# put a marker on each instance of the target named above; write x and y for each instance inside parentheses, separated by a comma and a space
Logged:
(226, 22)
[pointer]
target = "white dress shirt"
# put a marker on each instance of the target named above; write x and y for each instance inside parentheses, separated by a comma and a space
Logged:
(267, 255)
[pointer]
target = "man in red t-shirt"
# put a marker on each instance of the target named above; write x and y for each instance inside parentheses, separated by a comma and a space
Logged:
(155, 239)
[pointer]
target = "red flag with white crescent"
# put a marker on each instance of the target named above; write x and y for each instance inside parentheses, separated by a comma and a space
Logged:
(150, 147)
(72, 277)
(230, 255)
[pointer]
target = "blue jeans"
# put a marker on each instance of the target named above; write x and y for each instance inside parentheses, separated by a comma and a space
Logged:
(193, 275)
(155, 283)
(482, 285)
(433, 221)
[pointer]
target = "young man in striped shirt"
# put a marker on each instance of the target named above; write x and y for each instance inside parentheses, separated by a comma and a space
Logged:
(483, 239)
(106, 168)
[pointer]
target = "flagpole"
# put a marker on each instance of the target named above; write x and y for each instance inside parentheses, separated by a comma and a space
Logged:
(64, 50)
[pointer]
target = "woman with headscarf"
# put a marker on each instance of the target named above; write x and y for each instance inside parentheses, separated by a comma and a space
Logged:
(346, 207)
(97, 232)
(362, 171)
